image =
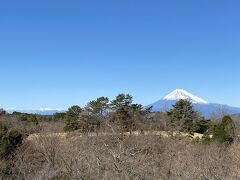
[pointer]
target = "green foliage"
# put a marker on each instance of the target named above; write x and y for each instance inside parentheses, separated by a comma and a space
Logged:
(3, 130)
(32, 118)
(124, 117)
(138, 108)
(14, 138)
(182, 115)
(123, 111)
(206, 139)
(74, 111)
(99, 106)
(9, 140)
(202, 126)
(126, 113)
(78, 119)
(71, 118)
(58, 117)
(2, 112)
(88, 122)
(122, 100)
(225, 130)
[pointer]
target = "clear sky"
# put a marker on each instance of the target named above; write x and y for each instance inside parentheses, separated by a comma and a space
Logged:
(57, 53)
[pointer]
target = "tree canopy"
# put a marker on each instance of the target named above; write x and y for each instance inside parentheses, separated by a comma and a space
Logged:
(182, 115)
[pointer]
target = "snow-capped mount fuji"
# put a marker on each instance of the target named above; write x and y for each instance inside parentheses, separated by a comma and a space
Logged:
(182, 94)
(205, 108)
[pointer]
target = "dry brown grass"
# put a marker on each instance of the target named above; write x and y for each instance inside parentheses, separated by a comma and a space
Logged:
(125, 157)
(76, 135)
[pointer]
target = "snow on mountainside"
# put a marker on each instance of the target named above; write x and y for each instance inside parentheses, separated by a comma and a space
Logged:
(42, 111)
(205, 108)
(182, 94)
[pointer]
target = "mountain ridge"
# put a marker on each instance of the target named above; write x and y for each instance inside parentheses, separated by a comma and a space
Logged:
(40, 111)
(205, 108)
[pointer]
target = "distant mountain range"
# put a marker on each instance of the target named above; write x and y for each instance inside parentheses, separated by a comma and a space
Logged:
(44, 111)
(205, 108)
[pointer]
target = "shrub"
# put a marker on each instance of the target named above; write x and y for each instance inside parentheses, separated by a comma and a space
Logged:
(225, 130)
(9, 140)
(3, 130)
(202, 126)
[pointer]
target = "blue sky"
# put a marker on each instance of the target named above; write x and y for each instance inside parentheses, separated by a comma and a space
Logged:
(56, 53)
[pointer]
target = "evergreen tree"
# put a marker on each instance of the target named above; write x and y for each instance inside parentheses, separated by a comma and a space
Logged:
(122, 100)
(99, 106)
(124, 117)
(202, 127)
(71, 118)
(2, 112)
(59, 116)
(88, 122)
(182, 115)
(126, 113)
(9, 140)
(225, 131)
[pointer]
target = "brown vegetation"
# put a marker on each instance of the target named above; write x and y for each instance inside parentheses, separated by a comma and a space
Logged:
(125, 157)
(127, 142)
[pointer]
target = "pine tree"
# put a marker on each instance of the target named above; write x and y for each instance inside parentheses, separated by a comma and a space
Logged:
(202, 126)
(122, 100)
(126, 114)
(99, 106)
(71, 118)
(225, 130)
(182, 115)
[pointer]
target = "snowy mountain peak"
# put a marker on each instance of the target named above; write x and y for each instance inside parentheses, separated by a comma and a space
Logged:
(41, 111)
(182, 94)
